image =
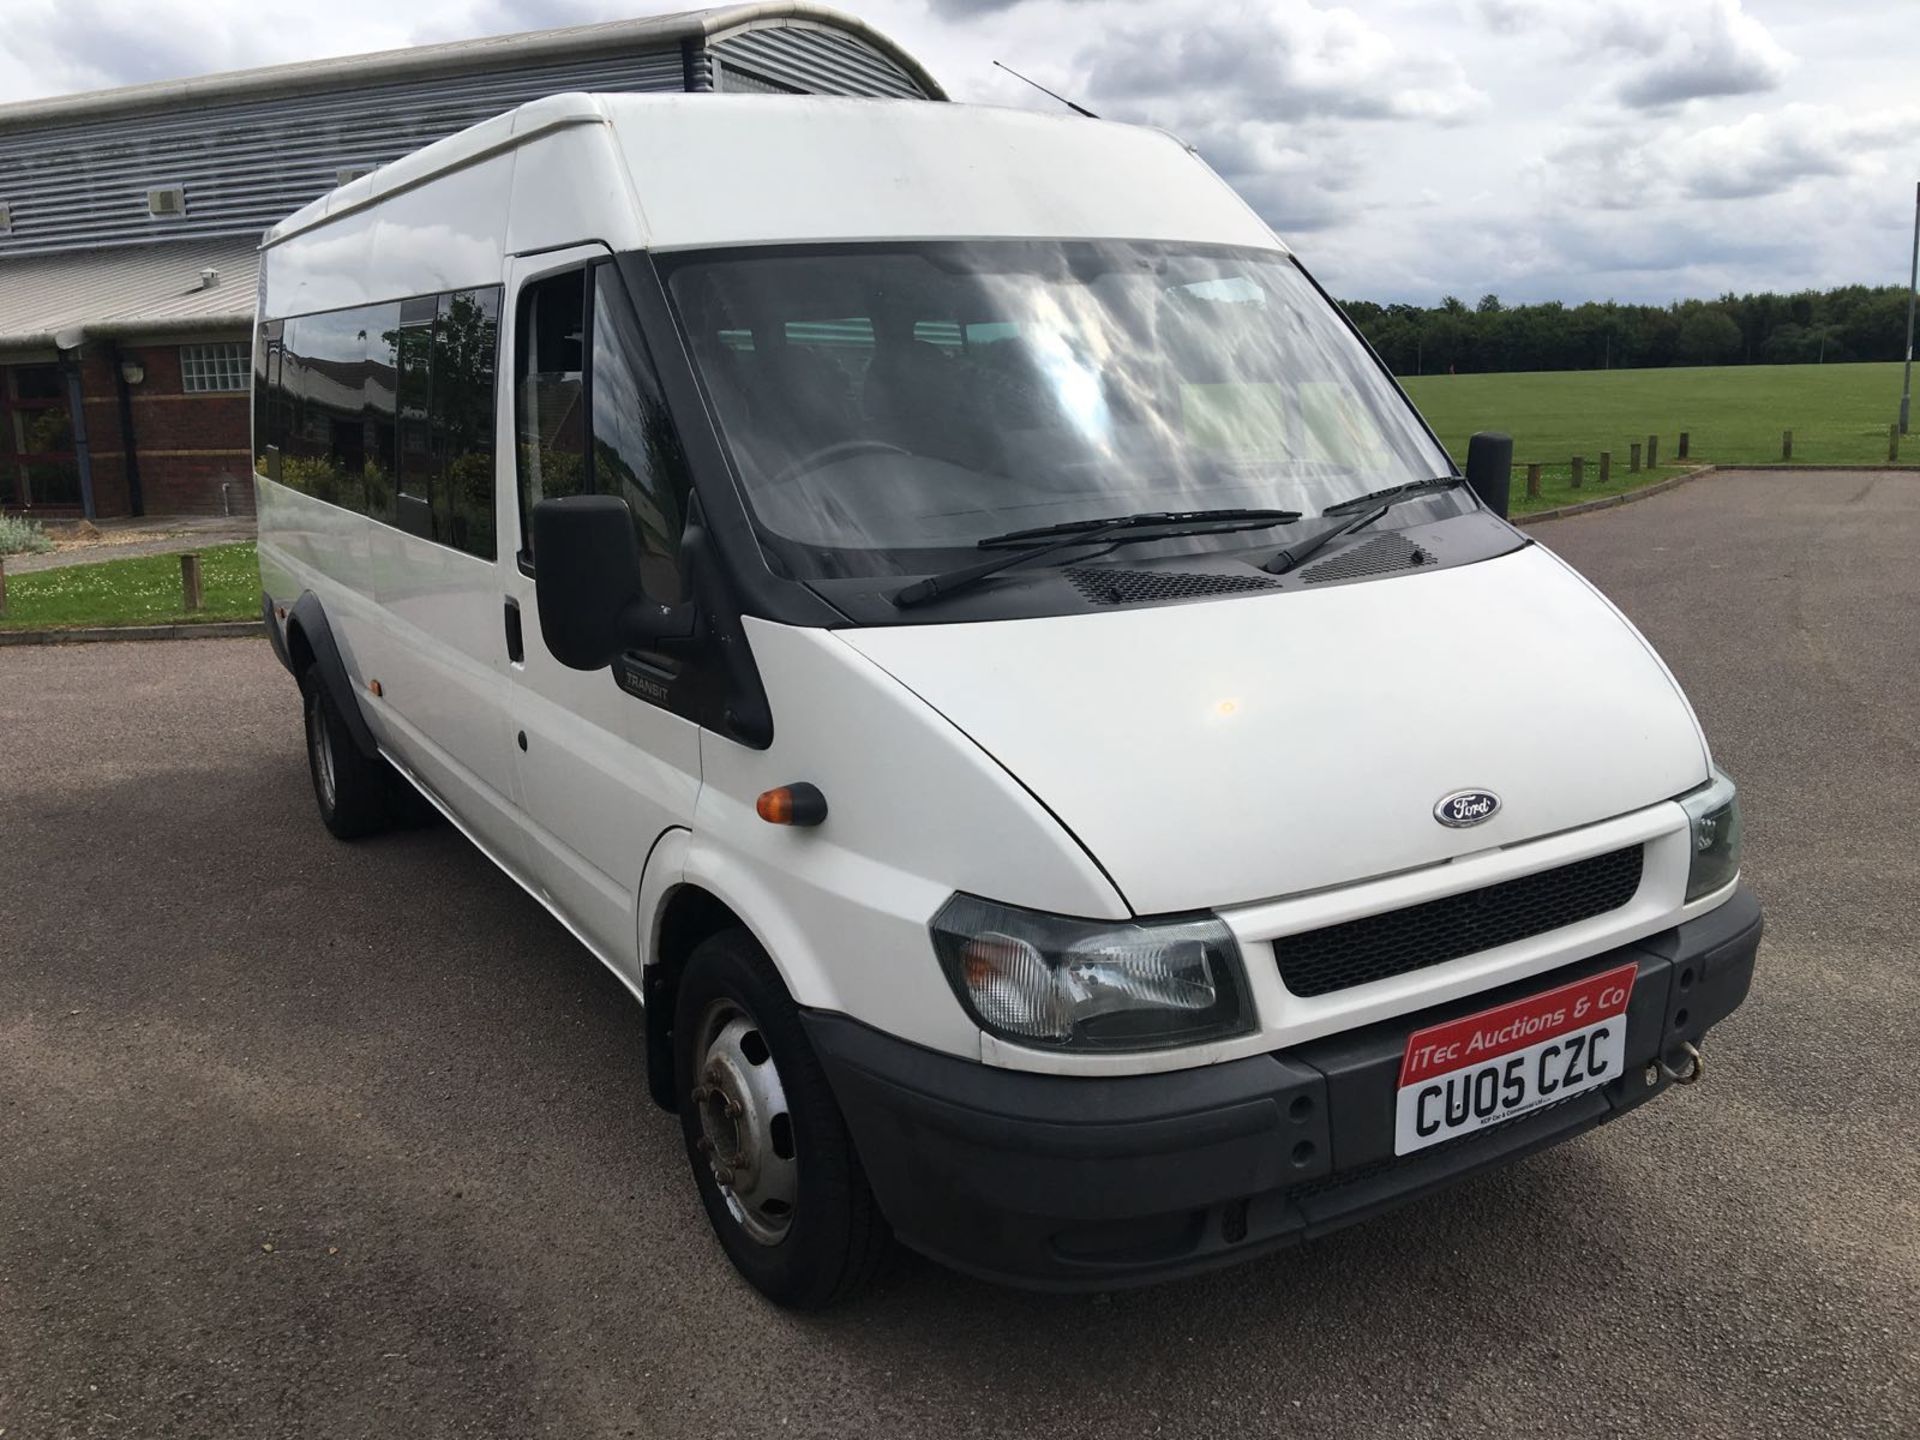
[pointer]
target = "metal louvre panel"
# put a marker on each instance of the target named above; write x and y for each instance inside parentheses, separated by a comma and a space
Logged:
(245, 166)
(817, 62)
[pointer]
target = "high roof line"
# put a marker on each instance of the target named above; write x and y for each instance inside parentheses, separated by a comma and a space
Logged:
(455, 58)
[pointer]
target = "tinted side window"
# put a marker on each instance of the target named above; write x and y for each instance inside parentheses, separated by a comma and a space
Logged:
(267, 399)
(380, 328)
(636, 450)
(388, 410)
(324, 450)
(550, 393)
(465, 336)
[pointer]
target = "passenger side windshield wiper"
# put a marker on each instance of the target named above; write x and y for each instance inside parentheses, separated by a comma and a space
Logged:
(1032, 544)
(1394, 494)
(1293, 555)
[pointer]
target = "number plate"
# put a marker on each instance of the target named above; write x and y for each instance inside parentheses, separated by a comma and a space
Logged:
(1467, 1074)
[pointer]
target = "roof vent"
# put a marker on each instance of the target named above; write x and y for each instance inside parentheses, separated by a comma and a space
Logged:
(347, 174)
(6, 218)
(209, 278)
(167, 200)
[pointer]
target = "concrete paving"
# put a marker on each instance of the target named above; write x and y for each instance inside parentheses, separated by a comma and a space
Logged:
(305, 1138)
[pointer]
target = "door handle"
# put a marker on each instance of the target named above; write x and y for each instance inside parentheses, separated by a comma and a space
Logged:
(516, 640)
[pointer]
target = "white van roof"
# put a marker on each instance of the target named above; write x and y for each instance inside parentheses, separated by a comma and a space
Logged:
(752, 169)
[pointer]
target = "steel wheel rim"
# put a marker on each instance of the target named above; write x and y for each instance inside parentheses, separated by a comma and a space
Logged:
(320, 748)
(746, 1127)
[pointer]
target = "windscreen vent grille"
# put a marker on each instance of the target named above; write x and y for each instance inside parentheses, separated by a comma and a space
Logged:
(1358, 952)
(1108, 585)
(1378, 556)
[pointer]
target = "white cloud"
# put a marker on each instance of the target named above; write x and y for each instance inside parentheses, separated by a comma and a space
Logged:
(1672, 50)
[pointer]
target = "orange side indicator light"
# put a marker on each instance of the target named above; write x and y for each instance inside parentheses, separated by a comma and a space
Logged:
(796, 804)
(373, 689)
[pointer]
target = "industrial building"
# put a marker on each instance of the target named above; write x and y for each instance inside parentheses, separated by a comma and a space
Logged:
(129, 221)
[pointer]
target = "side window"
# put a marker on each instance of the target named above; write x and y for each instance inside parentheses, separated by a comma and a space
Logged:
(324, 451)
(379, 329)
(267, 400)
(465, 337)
(550, 422)
(415, 462)
(591, 417)
(636, 450)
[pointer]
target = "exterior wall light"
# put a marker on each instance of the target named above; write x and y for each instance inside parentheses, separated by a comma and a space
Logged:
(132, 371)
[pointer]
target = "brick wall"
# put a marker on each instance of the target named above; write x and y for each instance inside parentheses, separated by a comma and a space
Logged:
(187, 445)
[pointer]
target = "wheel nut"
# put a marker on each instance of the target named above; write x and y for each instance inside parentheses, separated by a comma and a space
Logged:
(722, 1175)
(734, 1108)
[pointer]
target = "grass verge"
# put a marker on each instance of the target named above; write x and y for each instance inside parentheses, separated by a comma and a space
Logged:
(144, 590)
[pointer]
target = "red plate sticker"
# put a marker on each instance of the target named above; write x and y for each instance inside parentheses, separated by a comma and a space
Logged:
(1466, 1074)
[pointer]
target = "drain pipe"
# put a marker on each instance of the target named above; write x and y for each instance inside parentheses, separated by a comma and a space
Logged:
(129, 453)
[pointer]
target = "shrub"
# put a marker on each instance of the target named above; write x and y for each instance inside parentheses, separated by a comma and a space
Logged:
(20, 536)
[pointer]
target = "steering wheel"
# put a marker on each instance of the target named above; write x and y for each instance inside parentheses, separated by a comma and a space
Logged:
(830, 454)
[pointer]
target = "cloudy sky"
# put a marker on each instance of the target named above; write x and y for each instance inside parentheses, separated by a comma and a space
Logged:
(1541, 149)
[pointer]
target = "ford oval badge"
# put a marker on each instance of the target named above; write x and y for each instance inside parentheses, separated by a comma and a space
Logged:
(1466, 807)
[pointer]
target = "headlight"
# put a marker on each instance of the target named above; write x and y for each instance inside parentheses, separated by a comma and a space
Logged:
(1713, 811)
(1092, 984)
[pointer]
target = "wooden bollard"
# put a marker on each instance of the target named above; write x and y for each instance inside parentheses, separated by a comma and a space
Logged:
(1653, 451)
(1786, 444)
(3, 585)
(190, 580)
(1579, 471)
(1893, 454)
(1686, 443)
(1533, 480)
(1633, 458)
(1606, 466)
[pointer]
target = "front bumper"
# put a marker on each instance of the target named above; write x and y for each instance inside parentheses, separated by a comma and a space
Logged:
(1073, 1182)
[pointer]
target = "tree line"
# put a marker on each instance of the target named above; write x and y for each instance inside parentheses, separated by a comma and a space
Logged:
(1854, 322)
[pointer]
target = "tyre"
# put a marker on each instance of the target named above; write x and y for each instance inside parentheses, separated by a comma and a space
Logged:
(355, 794)
(776, 1168)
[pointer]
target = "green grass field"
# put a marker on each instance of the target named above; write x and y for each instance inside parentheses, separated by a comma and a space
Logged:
(1838, 414)
(144, 590)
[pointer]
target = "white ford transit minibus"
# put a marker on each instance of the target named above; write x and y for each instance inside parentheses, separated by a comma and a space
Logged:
(940, 603)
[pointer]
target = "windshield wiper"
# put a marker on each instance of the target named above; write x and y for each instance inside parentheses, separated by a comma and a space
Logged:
(1144, 517)
(1293, 555)
(1032, 544)
(1394, 494)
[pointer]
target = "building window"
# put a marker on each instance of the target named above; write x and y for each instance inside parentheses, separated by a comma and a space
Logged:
(210, 369)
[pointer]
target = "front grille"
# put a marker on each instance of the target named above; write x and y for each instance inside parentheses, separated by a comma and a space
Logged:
(1318, 962)
(1111, 585)
(1379, 556)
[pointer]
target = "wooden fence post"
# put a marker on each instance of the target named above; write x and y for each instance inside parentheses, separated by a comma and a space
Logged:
(1893, 454)
(1533, 480)
(1686, 443)
(190, 580)
(1633, 458)
(1653, 451)
(1579, 471)
(1606, 466)
(1786, 444)
(3, 585)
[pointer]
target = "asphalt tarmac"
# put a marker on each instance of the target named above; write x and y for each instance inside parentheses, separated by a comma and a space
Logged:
(303, 1138)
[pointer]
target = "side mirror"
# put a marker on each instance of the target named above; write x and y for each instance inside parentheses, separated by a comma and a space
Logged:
(1490, 470)
(593, 604)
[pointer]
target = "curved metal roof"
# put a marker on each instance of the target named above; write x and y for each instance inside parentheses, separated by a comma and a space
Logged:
(455, 58)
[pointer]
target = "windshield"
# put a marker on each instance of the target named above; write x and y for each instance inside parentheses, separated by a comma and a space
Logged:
(888, 404)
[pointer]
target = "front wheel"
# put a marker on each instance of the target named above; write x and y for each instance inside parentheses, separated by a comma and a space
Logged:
(770, 1153)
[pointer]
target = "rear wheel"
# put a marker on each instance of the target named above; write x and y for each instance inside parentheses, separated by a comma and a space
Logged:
(771, 1155)
(354, 793)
